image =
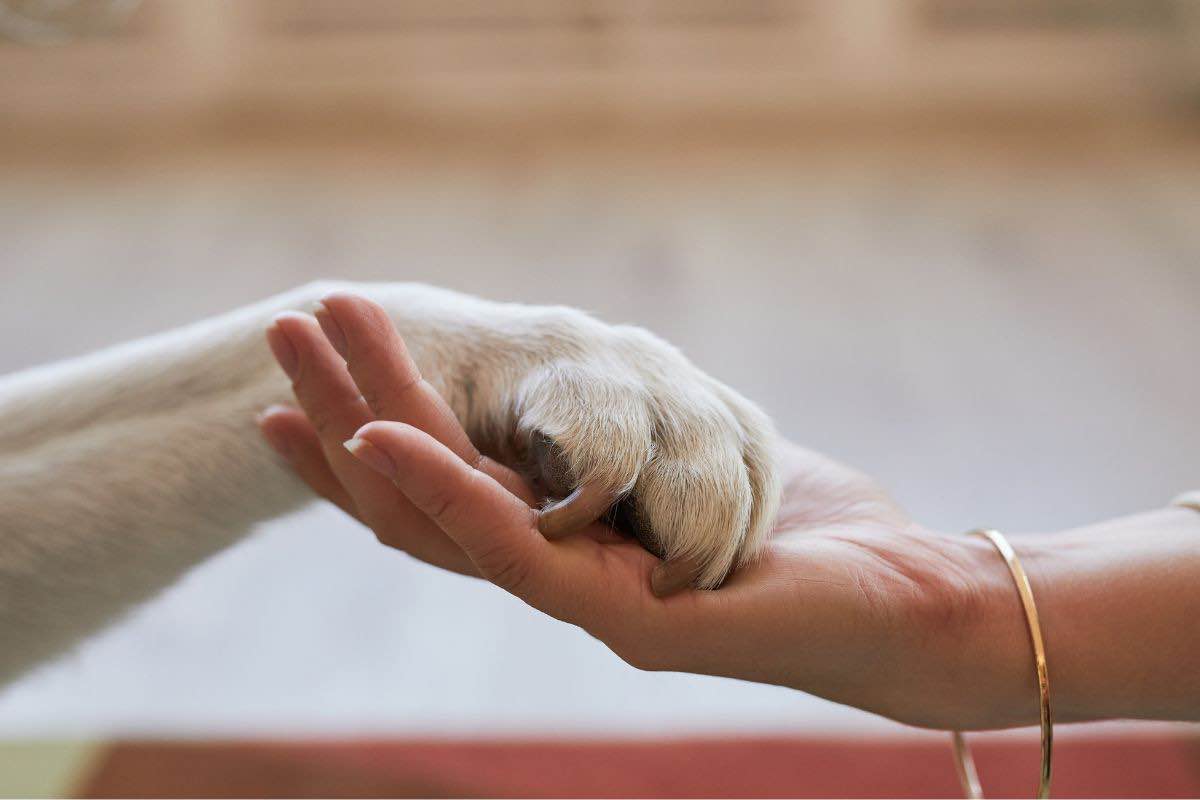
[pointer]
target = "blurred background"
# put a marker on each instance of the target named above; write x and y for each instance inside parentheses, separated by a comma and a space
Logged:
(955, 243)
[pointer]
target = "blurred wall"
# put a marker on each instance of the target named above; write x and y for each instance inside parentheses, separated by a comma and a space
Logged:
(617, 61)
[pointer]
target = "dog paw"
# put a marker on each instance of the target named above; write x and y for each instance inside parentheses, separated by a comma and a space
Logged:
(613, 422)
(606, 421)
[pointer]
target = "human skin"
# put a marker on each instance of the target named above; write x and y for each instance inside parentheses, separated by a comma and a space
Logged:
(852, 600)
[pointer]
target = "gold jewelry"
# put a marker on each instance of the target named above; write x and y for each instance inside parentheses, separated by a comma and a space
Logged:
(962, 753)
(1190, 500)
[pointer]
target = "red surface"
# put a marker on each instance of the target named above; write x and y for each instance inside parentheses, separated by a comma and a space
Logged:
(1136, 766)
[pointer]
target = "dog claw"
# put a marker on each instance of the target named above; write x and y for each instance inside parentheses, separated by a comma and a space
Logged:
(577, 510)
(673, 576)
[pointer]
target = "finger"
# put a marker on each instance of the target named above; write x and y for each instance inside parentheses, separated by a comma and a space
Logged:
(495, 529)
(293, 437)
(384, 371)
(320, 381)
(576, 511)
(332, 402)
(390, 382)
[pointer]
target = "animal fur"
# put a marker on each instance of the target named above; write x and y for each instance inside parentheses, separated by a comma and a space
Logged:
(121, 469)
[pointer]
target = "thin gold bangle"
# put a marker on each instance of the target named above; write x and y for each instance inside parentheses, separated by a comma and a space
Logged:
(962, 753)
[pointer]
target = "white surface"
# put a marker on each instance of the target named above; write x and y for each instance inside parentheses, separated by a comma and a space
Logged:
(1001, 336)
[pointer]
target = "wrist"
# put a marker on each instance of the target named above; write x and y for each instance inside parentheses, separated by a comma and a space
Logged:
(969, 664)
(995, 655)
(1078, 635)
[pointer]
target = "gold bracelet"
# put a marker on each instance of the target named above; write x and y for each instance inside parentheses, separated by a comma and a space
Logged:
(1190, 500)
(962, 754)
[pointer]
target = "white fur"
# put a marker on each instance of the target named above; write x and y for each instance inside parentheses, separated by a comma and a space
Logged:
(121, 469)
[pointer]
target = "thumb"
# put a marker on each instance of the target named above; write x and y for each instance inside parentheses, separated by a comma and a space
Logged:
(496, 530)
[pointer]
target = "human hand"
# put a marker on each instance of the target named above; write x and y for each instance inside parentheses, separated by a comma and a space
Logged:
(850, 600)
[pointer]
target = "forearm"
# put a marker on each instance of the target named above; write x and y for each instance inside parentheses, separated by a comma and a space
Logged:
(98, 522)
(1118, 604)
(120, 470)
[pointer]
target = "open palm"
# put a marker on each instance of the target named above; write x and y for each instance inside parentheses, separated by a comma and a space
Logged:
(850, 600)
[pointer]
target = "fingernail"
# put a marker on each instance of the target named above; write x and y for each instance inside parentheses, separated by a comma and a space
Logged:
(283, 350)
(333, 331)
(372, 456)
(670, 577)
(271, 410)
(276, 439)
